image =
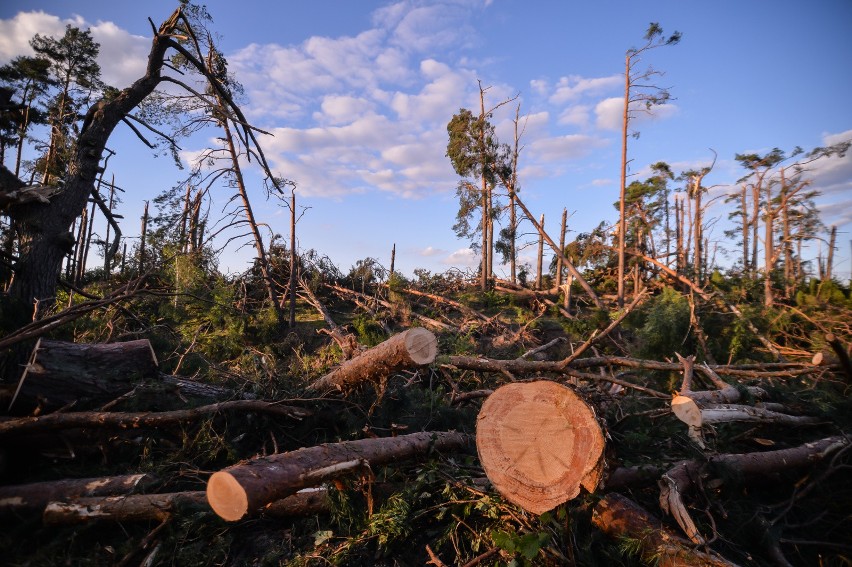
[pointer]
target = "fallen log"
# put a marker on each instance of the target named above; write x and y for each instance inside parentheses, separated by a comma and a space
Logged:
(126, 420)
(539, 443)
(413, 348)
(23, 499)
(682, 476)
(619, 517)
(248, 487)
(60, 373)
(133, 508)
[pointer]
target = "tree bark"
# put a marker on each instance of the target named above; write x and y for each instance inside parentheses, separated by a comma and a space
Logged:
(248, 487)
(842, 353)
(24, 499)
(413, 348)
(135, 420)
(133, 508)
(539, 258)
(539, 443)
(60, 373)
(619, 517)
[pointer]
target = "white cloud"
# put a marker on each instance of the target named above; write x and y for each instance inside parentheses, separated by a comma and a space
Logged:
(578, 115)
(561, 148)
(573, 87)
(122, 55)
(430, 251)
(462, 257)
(609, 113)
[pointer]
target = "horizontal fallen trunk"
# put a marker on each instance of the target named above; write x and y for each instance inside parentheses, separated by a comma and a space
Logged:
(411, 349)
(248, 487)
(60, 373)
(681, 478)
(134, 508)
(126, 420)
(842, 352)
(539, 443)
(23, 499)
(619, 517)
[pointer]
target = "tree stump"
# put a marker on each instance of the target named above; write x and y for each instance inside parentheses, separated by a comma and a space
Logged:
(539, 443)
(411, 349)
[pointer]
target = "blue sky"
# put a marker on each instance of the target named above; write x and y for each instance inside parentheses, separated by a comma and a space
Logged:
(358, 95)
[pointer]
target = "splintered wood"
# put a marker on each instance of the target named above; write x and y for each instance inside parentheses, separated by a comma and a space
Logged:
(539, 443)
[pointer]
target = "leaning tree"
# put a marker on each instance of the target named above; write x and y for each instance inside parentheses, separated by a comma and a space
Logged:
(45, 213)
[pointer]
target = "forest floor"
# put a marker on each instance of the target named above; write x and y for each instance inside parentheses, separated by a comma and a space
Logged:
(441, 508)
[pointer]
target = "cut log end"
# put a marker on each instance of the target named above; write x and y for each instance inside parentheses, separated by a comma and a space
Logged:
(226, 496)
(539, 443)
(421, 345)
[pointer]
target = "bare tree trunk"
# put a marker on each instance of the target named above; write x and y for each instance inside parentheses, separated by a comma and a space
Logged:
(107, 255)
(292, 318)
(143, 233)
(699, 238)
(262, 259)
(769, 245)
(744, 221)
(84, 256)
(539, 256)
(248, 487)
(561, 247)
(393, 261)
(679, 221)
(622, 187)
(829, 263)
(755, 218)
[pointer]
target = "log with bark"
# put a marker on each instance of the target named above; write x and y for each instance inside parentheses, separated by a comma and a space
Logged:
(22, 499)
(619, 517)
(411, 349)
(127, 420)
(682, 477)
(539, 443)
(60, 373)
(248, 487)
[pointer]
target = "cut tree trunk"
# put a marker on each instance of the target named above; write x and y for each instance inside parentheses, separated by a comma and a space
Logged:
(22, 499)
(60, 373)
(123, 420)
(410, 349)
(137, 507)
(250, 486)
(539, 443)
(619, 517)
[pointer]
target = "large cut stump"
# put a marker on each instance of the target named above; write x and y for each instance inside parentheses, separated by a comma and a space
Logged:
(539, 443)
(250, 486)
(60, 373)
(411, 349)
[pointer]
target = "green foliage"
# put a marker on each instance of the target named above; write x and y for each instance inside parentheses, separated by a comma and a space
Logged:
(666, 328)
(369, 332)
(527, 545)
